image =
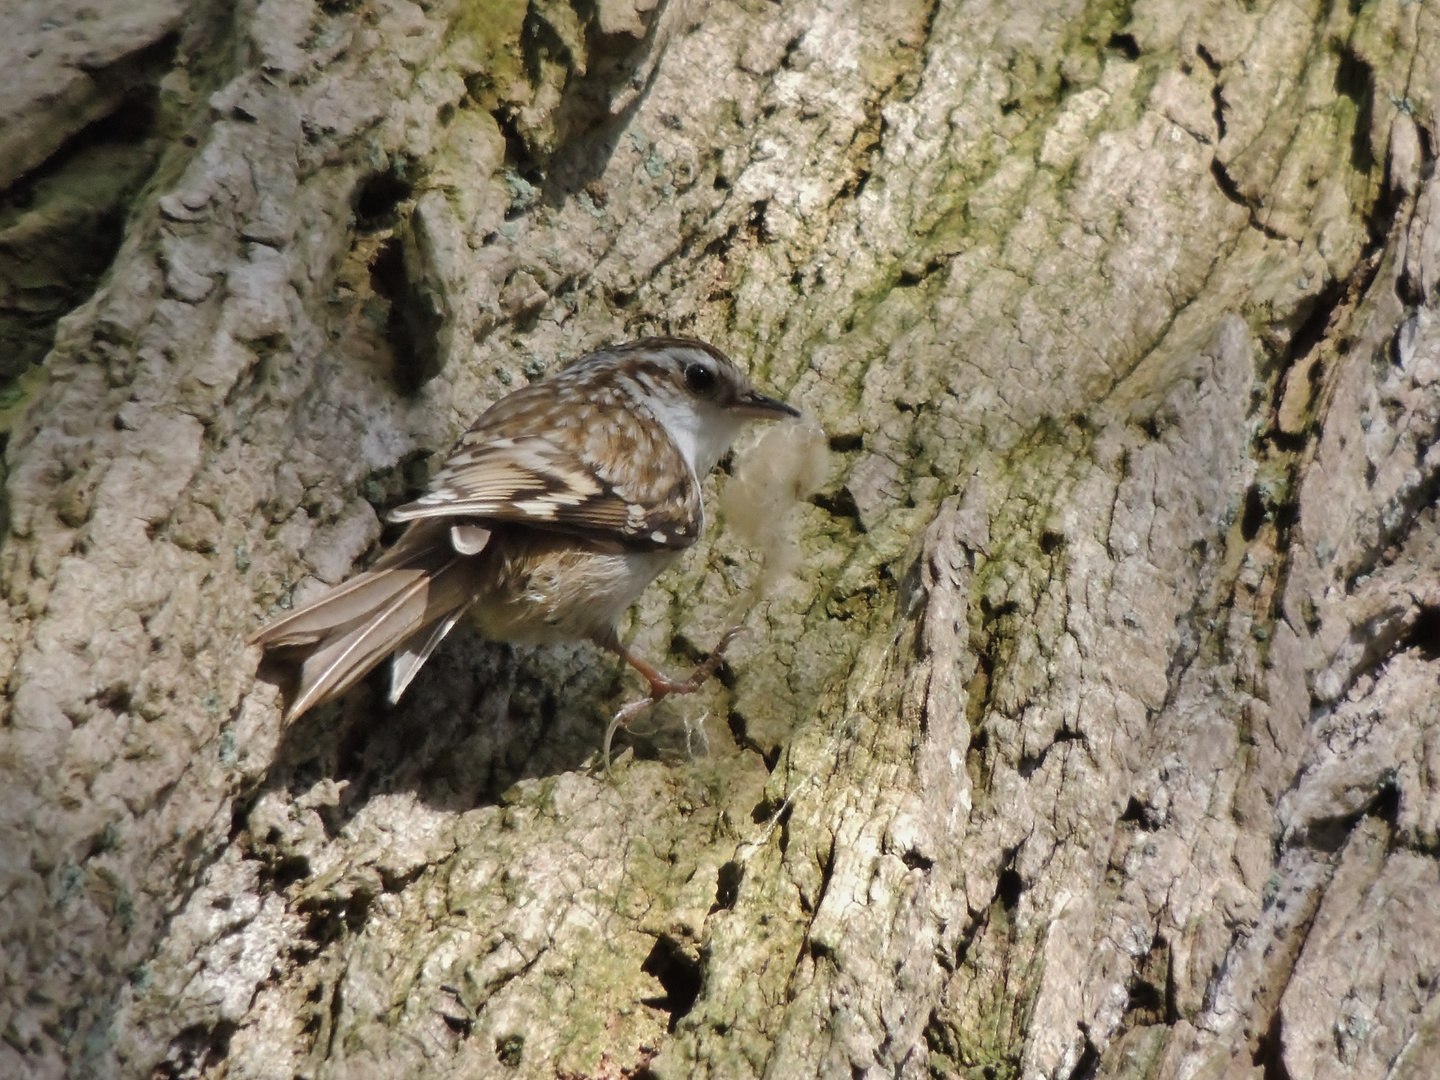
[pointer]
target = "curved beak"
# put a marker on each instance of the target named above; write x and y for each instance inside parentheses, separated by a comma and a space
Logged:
(756, 406)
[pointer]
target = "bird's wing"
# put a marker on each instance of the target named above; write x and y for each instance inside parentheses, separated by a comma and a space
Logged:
(598, 467)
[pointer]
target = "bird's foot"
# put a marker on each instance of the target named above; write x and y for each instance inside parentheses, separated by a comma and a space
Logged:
(662, 686)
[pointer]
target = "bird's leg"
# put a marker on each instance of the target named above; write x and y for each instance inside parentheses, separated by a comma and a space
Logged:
(661, 685)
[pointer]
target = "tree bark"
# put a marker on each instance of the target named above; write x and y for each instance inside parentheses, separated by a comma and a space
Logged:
(1096, 734)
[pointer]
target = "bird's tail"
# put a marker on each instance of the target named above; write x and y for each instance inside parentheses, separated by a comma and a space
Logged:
(405, 604)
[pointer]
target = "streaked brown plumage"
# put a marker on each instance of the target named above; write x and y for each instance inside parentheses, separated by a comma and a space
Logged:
(554, 511)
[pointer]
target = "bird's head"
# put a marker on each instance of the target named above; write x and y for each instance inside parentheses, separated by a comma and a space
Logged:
(699, 394)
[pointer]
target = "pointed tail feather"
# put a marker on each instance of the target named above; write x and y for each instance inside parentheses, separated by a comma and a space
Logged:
(345, 658)
(409, 602)
(452, 591)
(343, 605)
(411, 656)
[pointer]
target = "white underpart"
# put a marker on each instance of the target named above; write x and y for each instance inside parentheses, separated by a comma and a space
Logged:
(701, 430)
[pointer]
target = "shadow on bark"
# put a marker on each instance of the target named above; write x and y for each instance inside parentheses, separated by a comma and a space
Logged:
(462, 735)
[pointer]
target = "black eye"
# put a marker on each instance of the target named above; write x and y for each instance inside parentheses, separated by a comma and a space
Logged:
(699, 378)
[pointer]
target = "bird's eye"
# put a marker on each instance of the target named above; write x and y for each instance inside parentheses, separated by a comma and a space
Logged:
(699, 378)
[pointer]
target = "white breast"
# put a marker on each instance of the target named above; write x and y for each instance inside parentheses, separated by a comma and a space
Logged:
(702, 431)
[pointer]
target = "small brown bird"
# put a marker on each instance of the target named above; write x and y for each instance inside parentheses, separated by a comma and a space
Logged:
(551, 515)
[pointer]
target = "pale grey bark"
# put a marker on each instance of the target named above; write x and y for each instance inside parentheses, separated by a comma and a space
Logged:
(1096, 734)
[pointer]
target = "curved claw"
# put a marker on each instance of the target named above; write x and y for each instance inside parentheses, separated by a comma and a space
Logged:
(662, 686)
(621, 718)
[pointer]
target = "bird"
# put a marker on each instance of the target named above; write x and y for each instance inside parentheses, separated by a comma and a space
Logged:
(552, 513)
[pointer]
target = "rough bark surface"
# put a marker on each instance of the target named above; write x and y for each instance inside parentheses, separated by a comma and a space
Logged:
(1097, 735)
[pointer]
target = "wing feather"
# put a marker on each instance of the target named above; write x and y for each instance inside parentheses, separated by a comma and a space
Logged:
(617, 474)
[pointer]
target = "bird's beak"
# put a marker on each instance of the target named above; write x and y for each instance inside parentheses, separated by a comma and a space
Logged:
(755, 406)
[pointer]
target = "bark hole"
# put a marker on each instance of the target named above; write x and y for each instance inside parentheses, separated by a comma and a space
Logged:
(1125, 44)
(288, 870)
(1152, 989)
(510, 1049)
(517, 153)
(1008, 888)
(331, 918)
(678, 974)
(414, 325)
(1254, 515)
(727, 886)
(1355, 79)
(376, 200)
(1424, 635)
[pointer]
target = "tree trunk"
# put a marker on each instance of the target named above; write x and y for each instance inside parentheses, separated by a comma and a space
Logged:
(1096, 734)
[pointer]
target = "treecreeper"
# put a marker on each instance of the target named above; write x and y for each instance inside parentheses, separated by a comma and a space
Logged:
(551, 515)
